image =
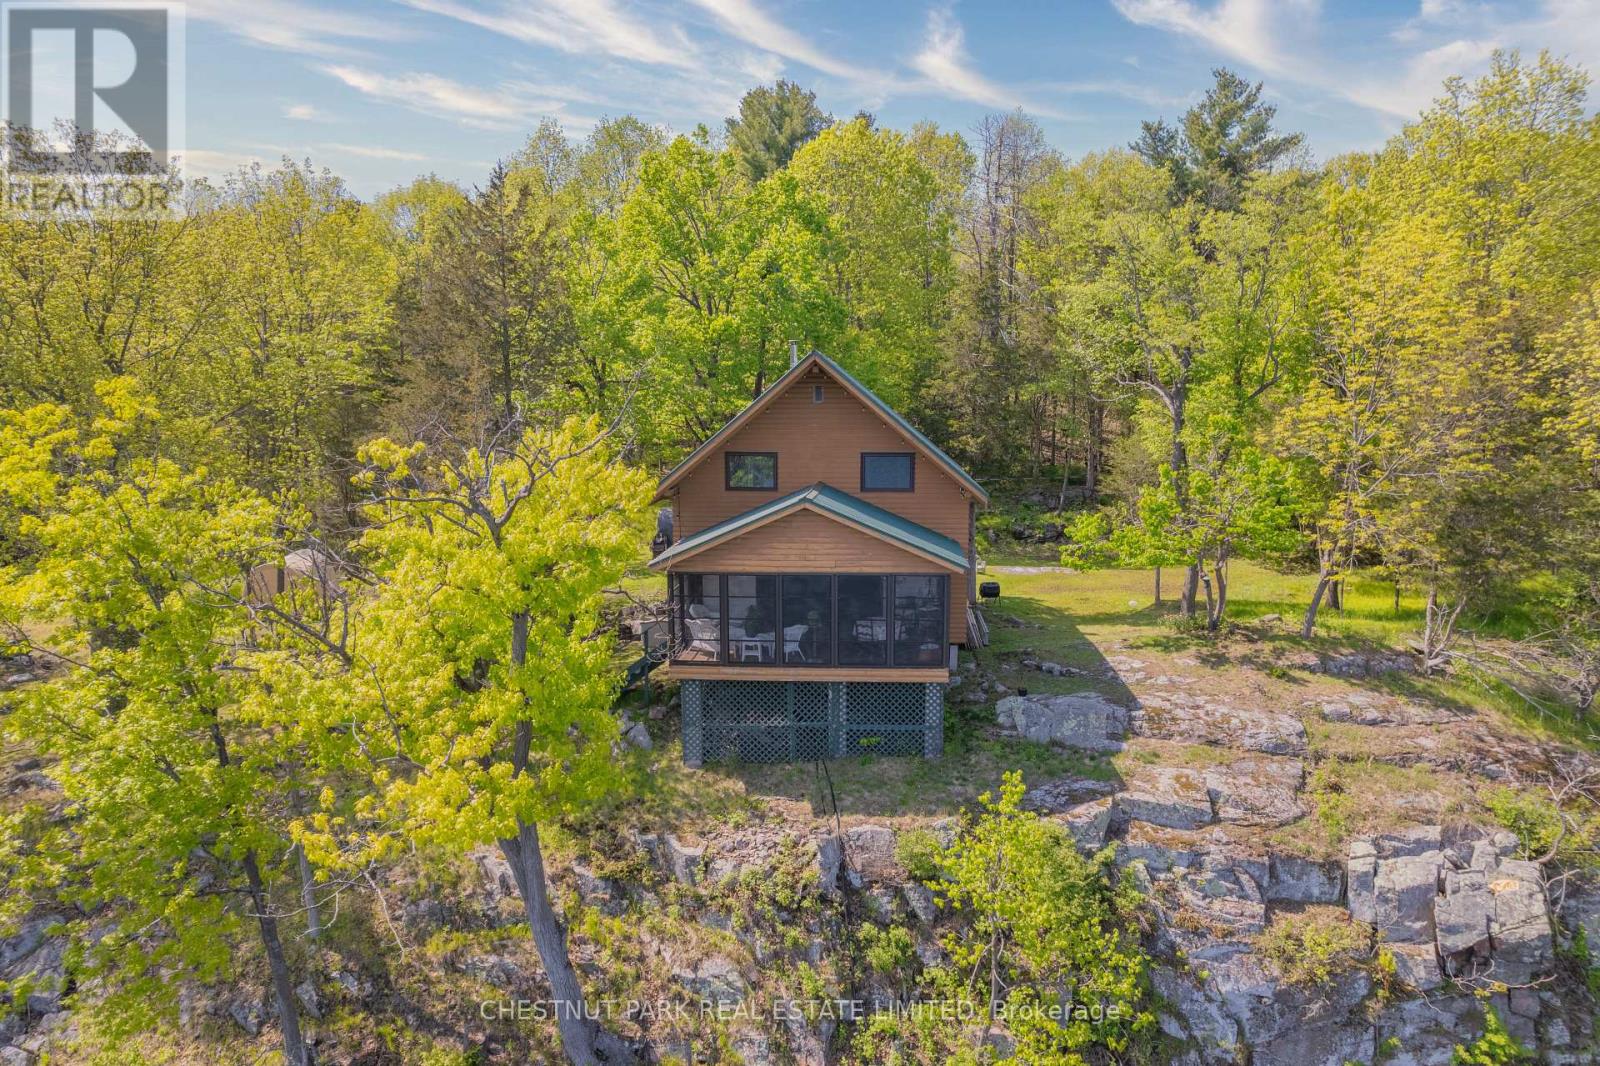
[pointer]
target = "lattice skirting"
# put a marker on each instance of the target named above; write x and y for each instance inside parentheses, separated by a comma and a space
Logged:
(797, 721)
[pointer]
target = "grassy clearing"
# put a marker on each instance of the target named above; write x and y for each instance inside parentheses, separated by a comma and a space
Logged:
(1122, 603)
(1105, 628)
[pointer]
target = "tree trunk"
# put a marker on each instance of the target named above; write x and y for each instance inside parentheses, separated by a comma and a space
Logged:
(295, 1052)
(1211, 612)
(1220, 571)
(1091, 461)
(308, 893)
(1325, 576)
(585, 1042)
(1191, 590)
(1336, 594)
(1158, 586)
(581, 1037)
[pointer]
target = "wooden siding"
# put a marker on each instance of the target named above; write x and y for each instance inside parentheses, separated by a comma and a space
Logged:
(820, 442)
(808, 543)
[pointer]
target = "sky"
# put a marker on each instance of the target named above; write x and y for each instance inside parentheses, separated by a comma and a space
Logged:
(380, 91)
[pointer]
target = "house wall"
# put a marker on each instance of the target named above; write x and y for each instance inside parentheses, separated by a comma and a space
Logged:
(808, 543)
(821, 442)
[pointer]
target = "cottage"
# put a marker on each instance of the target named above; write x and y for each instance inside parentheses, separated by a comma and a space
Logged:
(821, 574)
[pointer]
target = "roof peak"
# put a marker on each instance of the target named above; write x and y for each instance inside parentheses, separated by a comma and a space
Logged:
(817, 357)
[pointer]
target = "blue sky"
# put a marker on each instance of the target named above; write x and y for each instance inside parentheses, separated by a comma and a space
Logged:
(383, 90)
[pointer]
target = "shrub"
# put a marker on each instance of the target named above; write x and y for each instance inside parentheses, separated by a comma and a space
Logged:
(888, 952)
(1496, 1047)
(1316, 945)
(918, 851)
(1041, 917)
(1531, 816)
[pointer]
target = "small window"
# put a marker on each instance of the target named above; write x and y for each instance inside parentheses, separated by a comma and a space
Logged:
(753, 471)
(816, 394)
(887, 471)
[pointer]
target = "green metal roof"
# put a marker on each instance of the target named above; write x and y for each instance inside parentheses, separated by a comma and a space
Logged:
(867, 394)
(837, 505)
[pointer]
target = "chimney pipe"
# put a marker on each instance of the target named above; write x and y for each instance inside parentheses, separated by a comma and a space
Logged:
(794, 354)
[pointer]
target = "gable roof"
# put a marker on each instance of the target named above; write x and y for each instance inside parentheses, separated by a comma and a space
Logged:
(830, 503)
(860, 391)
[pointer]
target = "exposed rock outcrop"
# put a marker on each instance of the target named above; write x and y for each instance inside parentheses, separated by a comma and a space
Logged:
(1087, 721)
(1196, 719)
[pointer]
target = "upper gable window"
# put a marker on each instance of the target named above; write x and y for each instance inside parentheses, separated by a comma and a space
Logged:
(753, 471)
(888, 471)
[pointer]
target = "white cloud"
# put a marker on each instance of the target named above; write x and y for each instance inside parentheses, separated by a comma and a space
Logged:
(1242, 29)
(293, 26)
(1568, 28)
(1419, 80)
(576, 26)
(1279, 39)
(944, 62)
(1141, 92)
(304, 113)
(215, 164)
(749, 23)
(504, 107)
(367, 151)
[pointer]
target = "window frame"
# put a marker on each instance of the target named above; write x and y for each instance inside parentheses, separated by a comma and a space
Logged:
(727, 471)
(911, 459)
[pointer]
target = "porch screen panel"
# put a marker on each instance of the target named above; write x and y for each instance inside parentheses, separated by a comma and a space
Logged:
(919, 618)
(752, 618)
(807, 619)
(700, 618)
(863, 621)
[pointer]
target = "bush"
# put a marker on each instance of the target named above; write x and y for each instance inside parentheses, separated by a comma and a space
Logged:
(1316, 945)
(1531, 816)
(918, 851)
(888, 952)
(1496, 1047)
(1042, 918)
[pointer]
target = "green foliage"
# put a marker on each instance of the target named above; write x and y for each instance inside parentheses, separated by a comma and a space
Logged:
(171, 791)
(710, 277)
(890, 262)
(1316, 946)
(1529, 815)
(772, 124)
(1496, 1047)
(887, 951)
(919, 852)
(1224, 141)
(1050, 923)
(506, 676)
(1543, 825)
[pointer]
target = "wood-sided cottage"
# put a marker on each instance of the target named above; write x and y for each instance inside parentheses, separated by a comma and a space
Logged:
(821, 576)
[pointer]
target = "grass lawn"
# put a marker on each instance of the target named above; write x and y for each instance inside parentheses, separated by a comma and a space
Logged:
(1124, 601)
(1105, 629)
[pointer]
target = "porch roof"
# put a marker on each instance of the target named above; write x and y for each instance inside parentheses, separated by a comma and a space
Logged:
(830, 503)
